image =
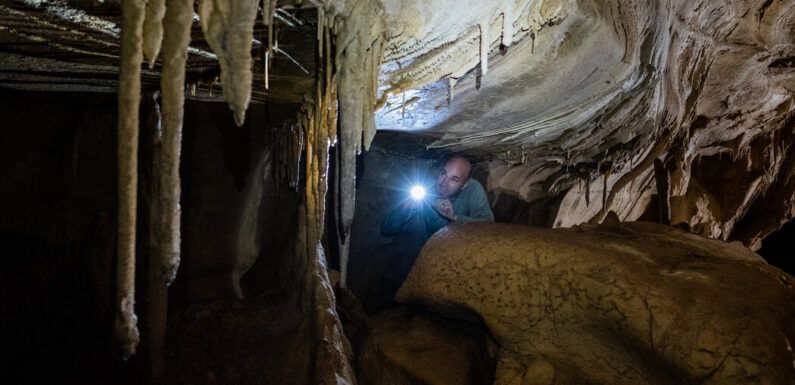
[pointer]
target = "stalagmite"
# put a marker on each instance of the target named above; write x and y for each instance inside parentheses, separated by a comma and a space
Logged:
(153, 29)
(178, 21)
(484, 48)
(228, 27)
(129, 99)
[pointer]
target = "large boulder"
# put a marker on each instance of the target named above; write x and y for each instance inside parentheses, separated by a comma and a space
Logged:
(636, 303)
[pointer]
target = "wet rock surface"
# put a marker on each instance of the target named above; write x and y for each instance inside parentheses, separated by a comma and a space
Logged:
(612, 303)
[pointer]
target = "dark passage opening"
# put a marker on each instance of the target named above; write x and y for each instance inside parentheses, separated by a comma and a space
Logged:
(778, 249)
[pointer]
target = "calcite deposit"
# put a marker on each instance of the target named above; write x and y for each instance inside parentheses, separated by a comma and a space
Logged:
(636, 303)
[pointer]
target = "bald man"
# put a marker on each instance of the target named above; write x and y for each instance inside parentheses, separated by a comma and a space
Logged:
(456, 198)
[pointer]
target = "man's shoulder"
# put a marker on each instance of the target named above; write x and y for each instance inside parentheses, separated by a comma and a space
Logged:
(474, 186)
(474, 190)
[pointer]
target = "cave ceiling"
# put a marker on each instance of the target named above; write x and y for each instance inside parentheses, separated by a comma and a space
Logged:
(564, 80)
(73, 46)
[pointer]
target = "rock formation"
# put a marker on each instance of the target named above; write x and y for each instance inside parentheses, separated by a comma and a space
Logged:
(614, 303)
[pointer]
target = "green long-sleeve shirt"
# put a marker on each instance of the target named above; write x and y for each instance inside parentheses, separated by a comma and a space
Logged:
(470, 205)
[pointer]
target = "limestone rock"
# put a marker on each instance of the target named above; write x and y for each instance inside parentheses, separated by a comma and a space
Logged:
(633, 303)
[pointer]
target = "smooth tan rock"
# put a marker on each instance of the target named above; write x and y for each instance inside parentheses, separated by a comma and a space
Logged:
(636, 303)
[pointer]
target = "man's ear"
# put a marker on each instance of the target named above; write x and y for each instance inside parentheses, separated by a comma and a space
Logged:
(465, 184)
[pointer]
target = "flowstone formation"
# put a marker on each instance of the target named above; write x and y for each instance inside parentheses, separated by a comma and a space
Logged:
(578, 98)
(614, 303)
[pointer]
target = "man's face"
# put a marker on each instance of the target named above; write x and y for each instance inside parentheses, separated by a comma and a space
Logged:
(453, 177)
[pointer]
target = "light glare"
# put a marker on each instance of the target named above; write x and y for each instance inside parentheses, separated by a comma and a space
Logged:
(418, 192)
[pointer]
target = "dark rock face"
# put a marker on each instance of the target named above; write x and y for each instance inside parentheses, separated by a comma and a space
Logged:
(57, 225)
(613, 303)
(58, 217)
(409, 346)
(262, 340)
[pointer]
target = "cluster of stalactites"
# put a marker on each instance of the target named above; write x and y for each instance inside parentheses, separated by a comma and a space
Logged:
(228, 27)
(451, 54)
(360, 45)
(146, 26)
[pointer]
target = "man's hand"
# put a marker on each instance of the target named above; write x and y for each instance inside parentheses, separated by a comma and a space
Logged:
(445, 208)
(409, 205)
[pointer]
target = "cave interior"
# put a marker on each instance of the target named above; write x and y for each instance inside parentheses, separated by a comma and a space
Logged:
(192, 191)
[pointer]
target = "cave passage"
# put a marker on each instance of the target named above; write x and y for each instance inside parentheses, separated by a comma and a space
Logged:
(406, 192)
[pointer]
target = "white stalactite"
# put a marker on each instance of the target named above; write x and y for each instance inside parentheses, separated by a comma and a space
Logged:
(153, 29)
(129, 101)
(228, 27)
(350, 79)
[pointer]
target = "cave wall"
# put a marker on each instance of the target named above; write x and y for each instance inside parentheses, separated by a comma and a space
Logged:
(58, 202)
(229, 192)
(57, 222)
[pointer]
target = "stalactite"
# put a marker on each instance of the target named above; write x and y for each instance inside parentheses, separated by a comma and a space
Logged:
(228, 27)
(350, 134)
(129, 100)
(153, 29)
(372, 65)
(157, 293)
(267, 64)
(604, 190)
(290, 141)
(321, 25)
(451, 90)
(178, 21)
(663, 182)
(587, 192)
(484, 48)
(268, 9)
(507, 26)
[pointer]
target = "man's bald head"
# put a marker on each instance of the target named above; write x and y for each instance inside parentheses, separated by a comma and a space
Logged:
(453, 177)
